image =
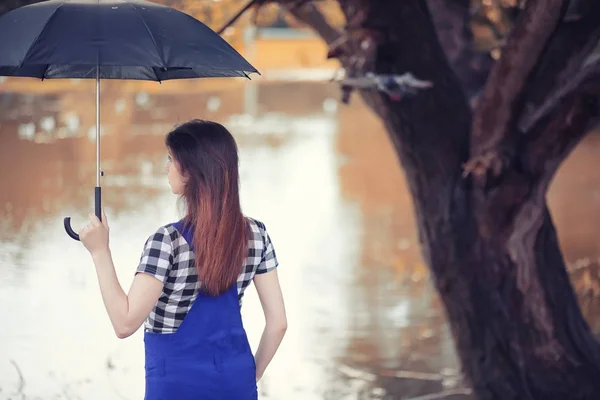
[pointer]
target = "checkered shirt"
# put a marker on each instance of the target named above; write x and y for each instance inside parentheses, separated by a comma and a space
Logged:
(168, 257)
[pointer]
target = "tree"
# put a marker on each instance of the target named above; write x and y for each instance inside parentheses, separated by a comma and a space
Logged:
(478, 171)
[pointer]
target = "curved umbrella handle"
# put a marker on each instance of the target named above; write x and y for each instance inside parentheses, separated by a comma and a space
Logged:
(98, 212)
(70, 230)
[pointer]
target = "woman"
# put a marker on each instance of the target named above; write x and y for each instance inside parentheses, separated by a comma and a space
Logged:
(192, 276)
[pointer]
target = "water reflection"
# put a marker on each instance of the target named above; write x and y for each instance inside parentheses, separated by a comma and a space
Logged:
(398, 337)
(365, 322)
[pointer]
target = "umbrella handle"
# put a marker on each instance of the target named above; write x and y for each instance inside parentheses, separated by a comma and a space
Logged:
(98, 211)
(70, 230)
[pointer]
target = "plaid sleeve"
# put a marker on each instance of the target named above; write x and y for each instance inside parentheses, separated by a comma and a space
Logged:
(268, 261)
(157, 256)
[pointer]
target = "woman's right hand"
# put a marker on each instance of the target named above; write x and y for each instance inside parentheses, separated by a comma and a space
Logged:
(271, 299)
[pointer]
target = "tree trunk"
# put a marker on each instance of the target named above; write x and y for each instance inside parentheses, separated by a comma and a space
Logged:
(494, 255)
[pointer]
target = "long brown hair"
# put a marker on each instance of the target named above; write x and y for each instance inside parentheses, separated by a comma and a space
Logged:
(207, 157)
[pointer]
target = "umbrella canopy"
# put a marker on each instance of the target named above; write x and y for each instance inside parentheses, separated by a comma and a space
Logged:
(112, 39)
(127, 39)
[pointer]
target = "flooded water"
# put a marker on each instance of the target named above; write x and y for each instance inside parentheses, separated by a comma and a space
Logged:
(364, 322)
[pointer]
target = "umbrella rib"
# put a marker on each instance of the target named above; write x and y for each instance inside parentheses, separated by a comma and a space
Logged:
(45, 70)
(160, 55)
(39, 34)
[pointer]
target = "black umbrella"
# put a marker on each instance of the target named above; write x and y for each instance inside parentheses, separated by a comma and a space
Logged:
(112, 39)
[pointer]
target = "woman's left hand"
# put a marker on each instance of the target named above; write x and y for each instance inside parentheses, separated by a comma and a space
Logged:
(95, 235)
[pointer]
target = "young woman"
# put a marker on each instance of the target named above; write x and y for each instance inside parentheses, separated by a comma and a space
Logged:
(191, 278)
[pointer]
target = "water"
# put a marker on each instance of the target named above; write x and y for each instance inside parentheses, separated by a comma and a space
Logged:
(364, 322)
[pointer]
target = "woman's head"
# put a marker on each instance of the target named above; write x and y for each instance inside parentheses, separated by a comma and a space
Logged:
(203, 169)
(202, 153)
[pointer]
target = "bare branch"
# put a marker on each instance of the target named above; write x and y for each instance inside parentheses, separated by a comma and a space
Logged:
(237, 15)
(395, 86)
(496, 112)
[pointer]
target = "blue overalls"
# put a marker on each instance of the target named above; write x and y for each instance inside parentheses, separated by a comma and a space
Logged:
(207, 358)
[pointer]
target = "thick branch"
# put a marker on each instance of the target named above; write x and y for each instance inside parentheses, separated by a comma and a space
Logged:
(564, 65)
(560, 66)
(451, 19)
(582, 80)
(496, 112)
(563, 94)
(525, 161)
